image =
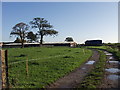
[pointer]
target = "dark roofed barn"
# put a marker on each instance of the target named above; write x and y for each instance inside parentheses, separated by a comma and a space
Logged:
(93, 42)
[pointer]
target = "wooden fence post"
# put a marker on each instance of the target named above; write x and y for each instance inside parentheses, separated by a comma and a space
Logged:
(6, 63)
(0, 71)
(27, 66)
(4, 68)
(84, 51)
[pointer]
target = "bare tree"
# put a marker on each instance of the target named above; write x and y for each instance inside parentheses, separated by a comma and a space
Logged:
(44, 28)
(20, 30)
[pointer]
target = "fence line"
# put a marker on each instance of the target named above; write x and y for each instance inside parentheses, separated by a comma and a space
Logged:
(38, 59)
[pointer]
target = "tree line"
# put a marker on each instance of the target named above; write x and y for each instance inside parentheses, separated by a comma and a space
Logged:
(43, 27)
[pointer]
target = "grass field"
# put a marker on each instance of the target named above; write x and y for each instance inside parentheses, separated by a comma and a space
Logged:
(45, 64)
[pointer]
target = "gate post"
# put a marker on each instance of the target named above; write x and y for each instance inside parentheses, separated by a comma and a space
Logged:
(0, 72)
(4, 68)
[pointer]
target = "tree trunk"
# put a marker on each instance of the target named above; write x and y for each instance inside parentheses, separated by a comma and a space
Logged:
(41, 40)
(22, 42)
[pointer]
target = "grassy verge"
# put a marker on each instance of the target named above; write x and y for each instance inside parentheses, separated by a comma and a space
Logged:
(115, 51)
(45, 64)
(94, 77)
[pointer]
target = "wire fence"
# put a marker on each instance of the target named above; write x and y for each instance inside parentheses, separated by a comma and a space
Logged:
(40, 58)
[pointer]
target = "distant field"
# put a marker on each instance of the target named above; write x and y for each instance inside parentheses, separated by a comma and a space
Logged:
(45, 64)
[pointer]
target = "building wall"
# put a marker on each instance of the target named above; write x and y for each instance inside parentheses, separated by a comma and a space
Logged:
(93, 42)
(15, 45)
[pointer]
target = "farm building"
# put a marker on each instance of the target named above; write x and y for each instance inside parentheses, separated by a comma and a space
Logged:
(15, 45)
(93, 42)
(70, 44)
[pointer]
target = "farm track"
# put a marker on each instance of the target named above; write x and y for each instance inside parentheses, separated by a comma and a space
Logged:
(74, 78)
(109, 83)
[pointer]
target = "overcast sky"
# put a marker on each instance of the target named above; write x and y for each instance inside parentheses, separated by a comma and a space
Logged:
(80, 20)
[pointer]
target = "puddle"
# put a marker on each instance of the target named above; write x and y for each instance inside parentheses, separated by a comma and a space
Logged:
(111, 58)
(114, 77)
(108, 54)
(90, 62)
(113, 70)
(105, 52)
(117, 62)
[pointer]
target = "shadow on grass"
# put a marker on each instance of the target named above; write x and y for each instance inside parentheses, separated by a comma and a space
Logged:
(21, 55)
(68, 57)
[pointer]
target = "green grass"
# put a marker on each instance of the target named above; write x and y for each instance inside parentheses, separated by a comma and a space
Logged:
(97, 47)
(93, 79)
(115, 51)
(45, 64)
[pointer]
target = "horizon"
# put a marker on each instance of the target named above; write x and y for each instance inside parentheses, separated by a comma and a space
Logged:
(80, 20)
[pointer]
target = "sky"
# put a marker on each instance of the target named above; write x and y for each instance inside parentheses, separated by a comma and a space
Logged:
(80, 20)
(60, 0)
